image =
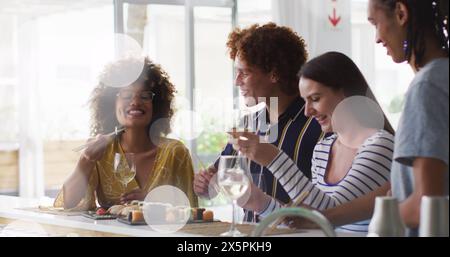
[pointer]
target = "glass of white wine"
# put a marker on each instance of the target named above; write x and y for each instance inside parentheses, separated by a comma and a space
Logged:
(234, 182)
(124, 168)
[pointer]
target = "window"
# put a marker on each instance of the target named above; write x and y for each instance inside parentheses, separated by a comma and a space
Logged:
(9, 131)
(49, 60)
(254, 11)
(214, 78)
(197, 63)
(8, 81)
(69, 58)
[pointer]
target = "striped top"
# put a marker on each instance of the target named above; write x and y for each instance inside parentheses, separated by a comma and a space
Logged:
(370, 170)
(296, 135)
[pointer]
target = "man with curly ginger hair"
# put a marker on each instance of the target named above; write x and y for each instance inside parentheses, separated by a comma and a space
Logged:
(267, 61)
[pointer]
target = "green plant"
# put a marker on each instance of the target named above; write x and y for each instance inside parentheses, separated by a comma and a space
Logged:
(211, 143)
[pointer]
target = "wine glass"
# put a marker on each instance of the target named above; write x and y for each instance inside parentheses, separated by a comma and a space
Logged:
(233, 179)
(124, 168)
(240, 124)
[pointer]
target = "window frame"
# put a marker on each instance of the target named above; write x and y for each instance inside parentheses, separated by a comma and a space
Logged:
(189, 39)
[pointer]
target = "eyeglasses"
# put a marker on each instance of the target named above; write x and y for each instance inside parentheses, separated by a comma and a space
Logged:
(144, 96)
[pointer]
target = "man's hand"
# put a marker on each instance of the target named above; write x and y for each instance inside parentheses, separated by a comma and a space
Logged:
(254, 147)
(202, 181)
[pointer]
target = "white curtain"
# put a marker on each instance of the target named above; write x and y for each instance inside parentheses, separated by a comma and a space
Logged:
(309, 18)
(31, 175)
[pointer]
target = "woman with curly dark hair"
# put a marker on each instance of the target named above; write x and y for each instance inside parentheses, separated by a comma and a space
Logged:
(144, 110)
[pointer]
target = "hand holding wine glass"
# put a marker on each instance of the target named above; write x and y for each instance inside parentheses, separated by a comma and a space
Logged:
(254, 147)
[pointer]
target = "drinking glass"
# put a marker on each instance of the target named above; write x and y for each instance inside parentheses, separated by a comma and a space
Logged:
(124, 168)
(386, 220)
(234, 182)
(434, 217)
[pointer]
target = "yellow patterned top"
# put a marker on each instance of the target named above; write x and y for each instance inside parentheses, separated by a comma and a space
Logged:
(173, 166)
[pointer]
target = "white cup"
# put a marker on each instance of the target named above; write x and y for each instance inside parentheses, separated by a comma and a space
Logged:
(386, 220)
(434, 217)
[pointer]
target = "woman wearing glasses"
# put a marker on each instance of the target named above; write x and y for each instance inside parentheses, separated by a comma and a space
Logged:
(144, 110)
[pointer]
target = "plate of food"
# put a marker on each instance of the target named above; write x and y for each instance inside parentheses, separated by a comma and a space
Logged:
(201, 215)
(99, 214)
(135, 218)
(163, 213)
(113, 212)
(130, 214)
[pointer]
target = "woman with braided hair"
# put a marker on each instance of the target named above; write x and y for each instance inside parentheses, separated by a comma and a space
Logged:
(416, 31)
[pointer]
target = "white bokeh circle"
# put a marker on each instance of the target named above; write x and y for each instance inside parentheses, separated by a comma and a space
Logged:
(125, 50)
(355, 114)
(156, 130)
(188, 125)
(166, 209)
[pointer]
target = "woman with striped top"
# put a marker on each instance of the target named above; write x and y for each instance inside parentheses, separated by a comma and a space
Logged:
(351, 166)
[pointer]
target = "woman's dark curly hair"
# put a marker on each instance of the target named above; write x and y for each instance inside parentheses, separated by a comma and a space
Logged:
(271, 48)
(103, 98)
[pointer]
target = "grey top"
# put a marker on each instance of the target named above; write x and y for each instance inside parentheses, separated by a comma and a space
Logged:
(423, 129)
